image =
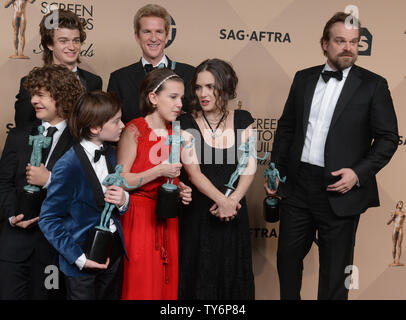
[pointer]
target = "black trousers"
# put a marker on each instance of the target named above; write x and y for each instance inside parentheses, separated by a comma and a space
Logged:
(305, 212)
(23, 280)
(100, 284)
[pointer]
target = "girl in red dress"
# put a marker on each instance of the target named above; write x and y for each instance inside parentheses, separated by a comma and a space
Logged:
(151, 272)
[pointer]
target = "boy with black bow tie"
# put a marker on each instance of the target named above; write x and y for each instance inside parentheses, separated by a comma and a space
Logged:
(76, 198)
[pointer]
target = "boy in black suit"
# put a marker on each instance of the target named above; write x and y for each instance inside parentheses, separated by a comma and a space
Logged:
(61, 46)
(24, 252)
(151, 26)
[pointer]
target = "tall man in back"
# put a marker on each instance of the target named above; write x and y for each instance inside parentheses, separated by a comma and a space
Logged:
(61, 45)
(151, 25)
(337, 130)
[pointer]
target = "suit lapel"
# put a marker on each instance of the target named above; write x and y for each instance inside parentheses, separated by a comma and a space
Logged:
(91, 175)
(350, 87)
(311, 83)
(64, 143)
(82, 79)
(137, 75)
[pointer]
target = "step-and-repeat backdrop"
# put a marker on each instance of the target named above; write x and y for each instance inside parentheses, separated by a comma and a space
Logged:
(267, 41)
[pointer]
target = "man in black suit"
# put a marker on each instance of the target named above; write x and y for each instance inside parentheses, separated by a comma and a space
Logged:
(24, 252)
(61, 46)
(337, 130)
(151, 25)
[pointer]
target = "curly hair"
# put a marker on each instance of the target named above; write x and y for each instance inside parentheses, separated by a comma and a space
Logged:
(226, 81)
(66, 19)
(61, 83)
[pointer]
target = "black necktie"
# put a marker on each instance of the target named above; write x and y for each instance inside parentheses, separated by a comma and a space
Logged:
(98, 153)
(45, 152)
(326, 75)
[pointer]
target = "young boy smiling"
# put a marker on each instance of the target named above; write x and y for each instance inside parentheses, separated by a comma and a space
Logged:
(24, 252)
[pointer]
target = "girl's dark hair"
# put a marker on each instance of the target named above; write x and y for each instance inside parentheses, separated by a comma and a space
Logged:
(93, 110)
(154, 81)
(226, 81)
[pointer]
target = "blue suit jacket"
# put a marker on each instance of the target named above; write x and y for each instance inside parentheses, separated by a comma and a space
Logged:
(73, 205)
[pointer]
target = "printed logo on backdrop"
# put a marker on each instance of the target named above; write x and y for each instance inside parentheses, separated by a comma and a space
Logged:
(365, 43)
(263, 233)
(254, 35)
(19, 23)
(172, 33)
(266, 128)
(85, 12)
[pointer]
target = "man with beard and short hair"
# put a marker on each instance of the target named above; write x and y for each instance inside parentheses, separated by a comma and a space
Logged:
(337, 130)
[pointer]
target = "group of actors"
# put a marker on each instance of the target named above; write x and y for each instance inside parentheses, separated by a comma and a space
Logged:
(337, 130)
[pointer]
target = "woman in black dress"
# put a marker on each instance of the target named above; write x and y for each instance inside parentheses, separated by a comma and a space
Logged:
(215, 247)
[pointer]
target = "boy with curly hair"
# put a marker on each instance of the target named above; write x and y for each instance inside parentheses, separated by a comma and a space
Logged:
(24, 252)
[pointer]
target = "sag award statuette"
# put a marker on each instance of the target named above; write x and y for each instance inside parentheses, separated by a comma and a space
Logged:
(248, 149)
(271, 203)
(168, 201)
(29, 201)
(100, 239)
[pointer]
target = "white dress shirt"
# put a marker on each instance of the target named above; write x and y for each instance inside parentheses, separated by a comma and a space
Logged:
(61, 127)
(323, 104)
(164, 60)
(101, 170)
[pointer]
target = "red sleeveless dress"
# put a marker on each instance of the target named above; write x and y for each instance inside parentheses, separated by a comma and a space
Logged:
(151, 273)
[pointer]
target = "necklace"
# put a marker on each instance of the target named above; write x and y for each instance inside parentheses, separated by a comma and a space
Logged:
(213, 132)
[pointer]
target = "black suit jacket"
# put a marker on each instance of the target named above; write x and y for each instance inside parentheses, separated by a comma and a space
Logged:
(126, 83)
(24, 111)
(17, 244)
(363, 135)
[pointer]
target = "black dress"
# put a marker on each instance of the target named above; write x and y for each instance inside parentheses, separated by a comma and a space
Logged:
(215, 256)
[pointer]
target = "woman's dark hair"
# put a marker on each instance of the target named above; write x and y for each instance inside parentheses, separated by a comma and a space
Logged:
(154, 81)
(226, 81)
(93, 110)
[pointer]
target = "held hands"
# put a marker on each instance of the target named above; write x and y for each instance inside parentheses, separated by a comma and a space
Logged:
(90, 264)
(226, 209)
(16, 221)
(346, 183)
(37, 175)
(115, 195)
(170, 170)
(185, 193)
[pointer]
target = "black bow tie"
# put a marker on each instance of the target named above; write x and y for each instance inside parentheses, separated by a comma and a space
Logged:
(98, 153)
(148, 67)
(326, 75)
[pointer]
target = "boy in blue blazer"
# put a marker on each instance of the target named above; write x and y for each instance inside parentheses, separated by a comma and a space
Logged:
(76, 199)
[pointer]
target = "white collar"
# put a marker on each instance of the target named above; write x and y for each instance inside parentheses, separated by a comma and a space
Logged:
(89, 146)
(164, 60)
(60, 126)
